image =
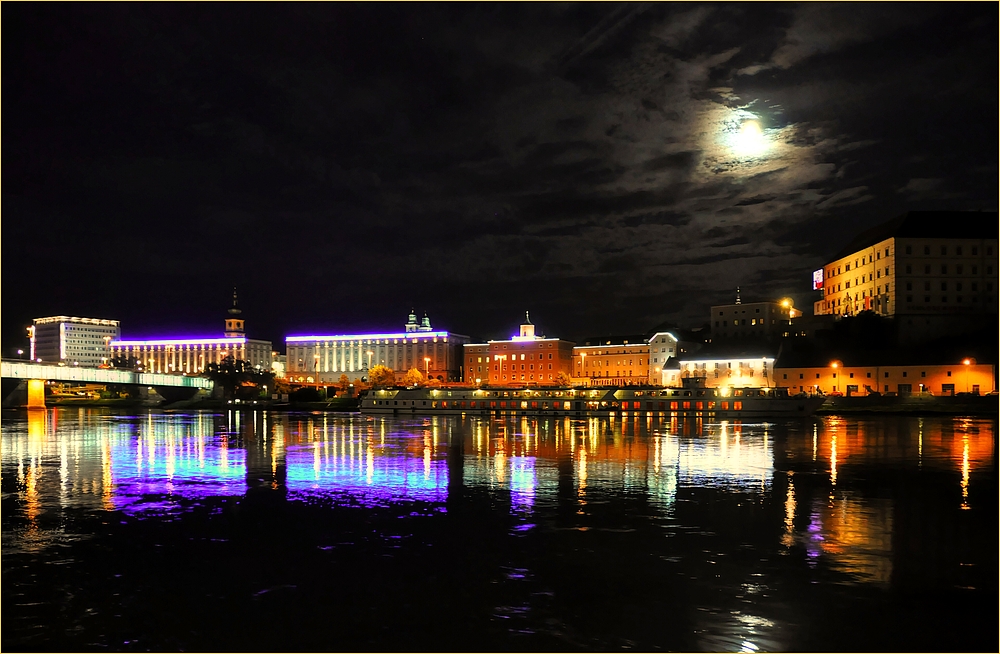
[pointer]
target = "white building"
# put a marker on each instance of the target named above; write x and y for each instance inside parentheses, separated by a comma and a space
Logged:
(323, 358)
(73, 341)
(190, 355)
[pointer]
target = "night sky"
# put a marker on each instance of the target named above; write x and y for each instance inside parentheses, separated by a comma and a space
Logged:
(593, 163)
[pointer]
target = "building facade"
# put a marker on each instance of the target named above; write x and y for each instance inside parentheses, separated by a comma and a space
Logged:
(73, 341)
(752, 319)
(902, 380)
(744, 371)
(324, 358)
(619, 362)
(190, 355)
(523, 360)
(921, 264)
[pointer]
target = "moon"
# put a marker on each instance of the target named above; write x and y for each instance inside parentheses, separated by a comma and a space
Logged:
(750, 140)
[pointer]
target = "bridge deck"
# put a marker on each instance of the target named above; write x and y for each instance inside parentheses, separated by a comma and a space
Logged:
(27, 370)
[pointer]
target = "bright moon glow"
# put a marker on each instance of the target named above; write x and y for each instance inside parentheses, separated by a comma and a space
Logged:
(749, 141)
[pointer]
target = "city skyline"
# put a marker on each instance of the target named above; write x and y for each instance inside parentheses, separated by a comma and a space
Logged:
(608, 167)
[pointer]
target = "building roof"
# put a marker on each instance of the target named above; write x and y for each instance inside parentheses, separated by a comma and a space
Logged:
(633, 339)
(927, 224)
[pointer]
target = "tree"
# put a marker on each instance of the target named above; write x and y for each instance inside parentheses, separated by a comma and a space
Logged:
(238, 378)
(563, 379)
(343, 383)
(380, 375)
(413, 377)
(125, 363)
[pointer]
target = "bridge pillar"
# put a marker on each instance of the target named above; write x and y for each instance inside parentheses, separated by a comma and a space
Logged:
(36, 393)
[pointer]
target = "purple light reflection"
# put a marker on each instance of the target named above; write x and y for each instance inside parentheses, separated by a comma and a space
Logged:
(368, 478)
(150, 475)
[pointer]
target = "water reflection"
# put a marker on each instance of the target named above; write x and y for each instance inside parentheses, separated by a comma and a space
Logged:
(818, 473)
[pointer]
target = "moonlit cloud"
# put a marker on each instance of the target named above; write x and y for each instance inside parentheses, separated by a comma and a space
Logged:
(580, 160)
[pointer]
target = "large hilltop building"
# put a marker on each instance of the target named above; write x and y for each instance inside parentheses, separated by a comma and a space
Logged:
(323, 358)
(921, 263)
(190, 355)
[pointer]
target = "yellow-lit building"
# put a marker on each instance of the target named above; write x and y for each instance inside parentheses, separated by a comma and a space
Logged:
(619, 362)
(903, 380)
(923, 263)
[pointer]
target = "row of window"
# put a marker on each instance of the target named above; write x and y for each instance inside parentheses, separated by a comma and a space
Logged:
(959, 269)
(868, 375)
(857, 263)
(754, 322)
(531, 366)
(959, 299)
(959, 250)
(974, 286)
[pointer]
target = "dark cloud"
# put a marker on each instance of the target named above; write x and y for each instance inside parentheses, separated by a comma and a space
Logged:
(343, 162)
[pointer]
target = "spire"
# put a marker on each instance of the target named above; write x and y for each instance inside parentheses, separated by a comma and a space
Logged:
(527, 329)
(234, 324)
(235, 309)
(411, 321)
(425, 323)
(738, 295)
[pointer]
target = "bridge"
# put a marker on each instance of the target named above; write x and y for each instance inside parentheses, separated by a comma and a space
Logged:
(36, 374)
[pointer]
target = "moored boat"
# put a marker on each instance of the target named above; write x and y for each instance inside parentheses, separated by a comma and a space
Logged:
(722, 403)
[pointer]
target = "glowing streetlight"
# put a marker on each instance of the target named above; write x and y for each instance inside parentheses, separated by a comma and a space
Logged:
(967, 363)
(427, 363)
(19, 353)
(835, 365)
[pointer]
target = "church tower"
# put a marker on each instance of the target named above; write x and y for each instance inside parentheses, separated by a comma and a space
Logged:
(527, 329)
(234, 324)
(411, 322)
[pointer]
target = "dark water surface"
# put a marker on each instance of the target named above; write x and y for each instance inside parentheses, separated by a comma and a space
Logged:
(282, 532)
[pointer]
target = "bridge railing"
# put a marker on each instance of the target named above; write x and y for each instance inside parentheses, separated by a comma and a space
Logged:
(28, 370)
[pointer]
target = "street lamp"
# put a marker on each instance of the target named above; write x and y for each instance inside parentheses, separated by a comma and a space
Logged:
(967, 363)
(835, 365)
(427, 363)
(583, 363)
(19, 353)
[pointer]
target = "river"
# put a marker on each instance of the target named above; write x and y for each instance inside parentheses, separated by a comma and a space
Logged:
(251, 531)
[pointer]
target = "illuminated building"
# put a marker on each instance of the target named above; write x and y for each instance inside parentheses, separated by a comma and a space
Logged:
(324, 358)
(946, 379)
(746, 371)
(190, 355)
(74, 341)
(617, 362)
(522, 360)
(752, 319)
(922, 265)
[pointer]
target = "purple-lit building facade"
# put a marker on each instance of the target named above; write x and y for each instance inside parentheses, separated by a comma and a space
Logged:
(190, 355)
(323, 358)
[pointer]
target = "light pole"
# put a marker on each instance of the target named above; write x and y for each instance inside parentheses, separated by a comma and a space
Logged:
(316, 368)
(966, 363)
(19, 353)
(427, 363)
(583, 364)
